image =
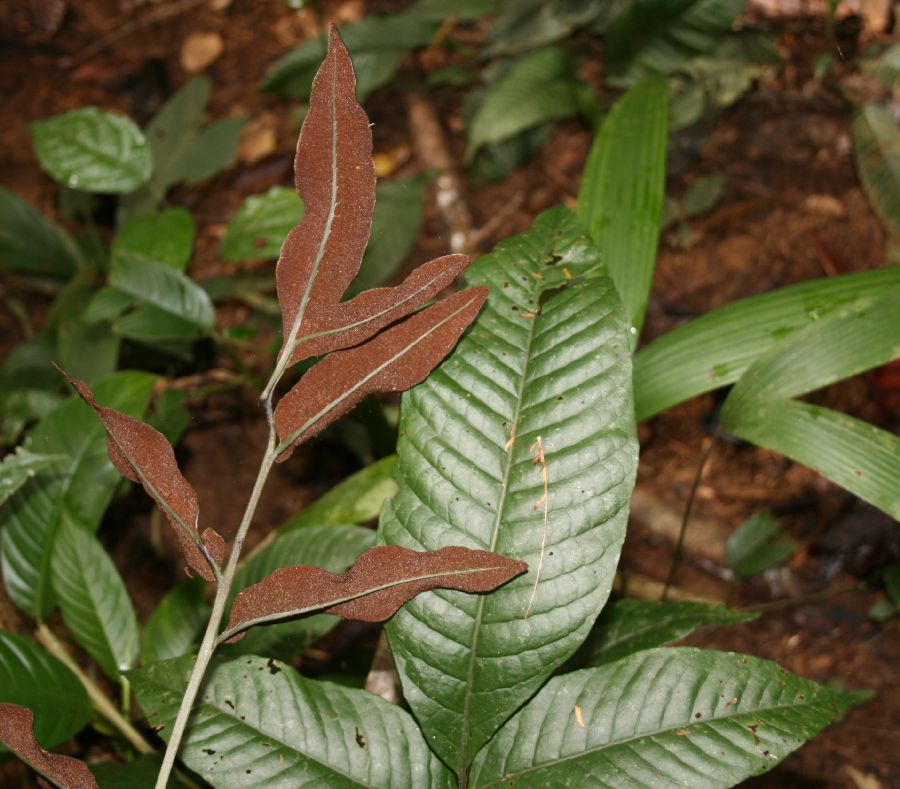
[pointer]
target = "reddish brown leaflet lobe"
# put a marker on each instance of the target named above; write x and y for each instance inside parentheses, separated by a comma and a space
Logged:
(380, 581)
(17, 734)
(143, 455)
(394, 360)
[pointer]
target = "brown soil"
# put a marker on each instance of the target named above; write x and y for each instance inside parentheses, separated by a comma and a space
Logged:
(791, 210)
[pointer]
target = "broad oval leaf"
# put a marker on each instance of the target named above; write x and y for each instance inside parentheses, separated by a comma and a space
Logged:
(667, 717)
(165, 237)
(260, 225)
(16, 733)
(545, 367)
(32, 678)
(378, 583)
(258, 721)
(93, 150)
(93, 599)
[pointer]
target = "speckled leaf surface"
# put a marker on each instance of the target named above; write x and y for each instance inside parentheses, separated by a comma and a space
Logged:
(548, 358)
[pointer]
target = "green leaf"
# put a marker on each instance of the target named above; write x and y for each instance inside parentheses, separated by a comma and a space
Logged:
(377, 45)
(258, 229)
(332, 547)
(94, 603)
(107, 304)
(258, 721)
(93, 150)
(753, 547)
(541, 87)
(437, 10)
(176, 622)
(161, 286)
(166, 237)
(891, 577)
(657, 36)
(20, 466)
(716, 349)
(74, 491)
(630, 626)
(468, 662)
(702, 195)
(885, 67)
(32, 678)
(212, 151)
(622, 192)
(876, 147)
(667, 717)
(31, 244)
(141, 772)
(87, 348)
(355, 500)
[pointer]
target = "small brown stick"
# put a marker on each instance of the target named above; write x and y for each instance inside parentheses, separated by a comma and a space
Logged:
(544, 501)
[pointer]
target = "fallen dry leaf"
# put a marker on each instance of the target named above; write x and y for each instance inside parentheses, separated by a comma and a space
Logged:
(258, 140)
(200, 50)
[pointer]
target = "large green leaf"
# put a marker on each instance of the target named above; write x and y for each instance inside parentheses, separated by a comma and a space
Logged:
(876, 146)
(546, 365)
(76, 490)
(664, 717)
(258, 229)
(176, 622)
(32, 678)
(93, 150)
(333, 548)
(32, 244)
(259, 722)
(622, 191)
(94, 603)
(716, 349)
(166, 237)
(20, 466)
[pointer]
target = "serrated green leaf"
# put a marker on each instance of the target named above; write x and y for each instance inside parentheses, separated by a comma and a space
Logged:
(75, 491)
(31, 244)
(175, 623)
(258, 229)
(629, 626)
(32, 678)
(876, 148)
(20, 466)
(622, 191)
(664, 717)
(716, 349)
(332, 547)
(542, 87)
(259, 721)
(166, 237)
(93, 150)
(545, 359)
(94, 603)
(752, 548)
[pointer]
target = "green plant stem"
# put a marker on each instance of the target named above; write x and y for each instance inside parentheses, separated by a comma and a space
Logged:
(101, 702)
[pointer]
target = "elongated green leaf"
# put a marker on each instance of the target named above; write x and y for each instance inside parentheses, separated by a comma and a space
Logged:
(657, 36)
(716, 349)
(355, 500)
(630, 626)
(175, 622)
(876, 146)
(665, 717)
(540, 88)
(466, 468)
(94, 603)
(32, 244)
(752, 547)
(258, 721)
(153, 326)
(20, 466)
(622, 192)
(75, 491)
(258, 229)
(166, 237)
(331, 547)
(93, 150)
(32, 678)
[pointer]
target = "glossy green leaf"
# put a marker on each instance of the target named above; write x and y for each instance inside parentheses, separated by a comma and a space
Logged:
(876, 146)
(20, 466)
(629, 626)
(657, 36)
(542, 87)
(754, 546)
(356, 499)
(94, 603)
(107, 304)
(93, 150)
(622, 191)
(546, 365)
(716, 349)
(258, 229)
(258, 721)
(166, 237)
(76, 490)
(176, 622)
(664, 717)
(31, 244)
(332, 547)
(32, 678)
